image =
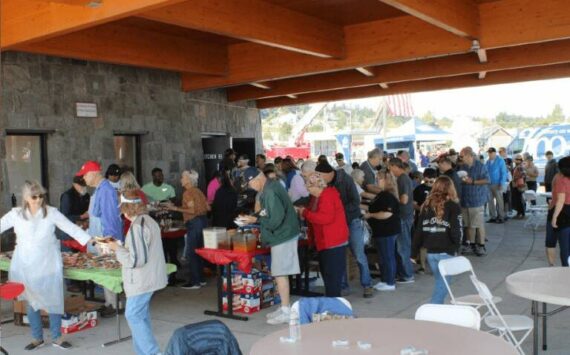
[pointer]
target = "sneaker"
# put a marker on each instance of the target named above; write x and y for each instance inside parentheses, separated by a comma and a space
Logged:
(421, 271)
(203, 283)
(281, 318)
(386, 287)
(466, 249)
(379, 284)
(274, 313)
(34, 345)
(405, 281)
(62, 344)
(108, 312)
(492, 220)
(499, 221)
(190, 286)
(368, 292)
(480, 250)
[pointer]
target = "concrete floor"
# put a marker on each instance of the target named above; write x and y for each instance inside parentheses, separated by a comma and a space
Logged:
(511, 248)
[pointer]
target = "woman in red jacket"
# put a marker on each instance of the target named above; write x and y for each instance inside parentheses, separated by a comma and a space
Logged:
(330, 232)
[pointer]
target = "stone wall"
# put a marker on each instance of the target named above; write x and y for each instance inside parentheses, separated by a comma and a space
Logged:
(40, 92)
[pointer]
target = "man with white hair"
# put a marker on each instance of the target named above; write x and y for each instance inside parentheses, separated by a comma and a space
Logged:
(369, 167)
(473, 198)
(104, 218)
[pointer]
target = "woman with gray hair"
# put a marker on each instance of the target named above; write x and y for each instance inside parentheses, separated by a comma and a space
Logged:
(327, 223)
(194, 209)
(37, 263)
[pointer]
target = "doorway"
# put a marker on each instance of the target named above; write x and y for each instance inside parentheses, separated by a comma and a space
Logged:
(245, 146)
(213, 146)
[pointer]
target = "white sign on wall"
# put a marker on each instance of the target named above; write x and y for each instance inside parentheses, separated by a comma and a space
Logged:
(86, 109)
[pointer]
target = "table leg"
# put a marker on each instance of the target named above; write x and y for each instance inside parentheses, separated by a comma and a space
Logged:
(535, 330)
(220, 312)
(119, 339)
(544, 318)
(303, 279)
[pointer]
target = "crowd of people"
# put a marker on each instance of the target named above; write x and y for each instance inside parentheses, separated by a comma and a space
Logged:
(413, 219)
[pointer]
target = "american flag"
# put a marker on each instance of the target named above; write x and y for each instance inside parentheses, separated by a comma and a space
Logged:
(400, 105)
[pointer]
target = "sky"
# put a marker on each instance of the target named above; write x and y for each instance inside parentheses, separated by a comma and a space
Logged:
(536, 98)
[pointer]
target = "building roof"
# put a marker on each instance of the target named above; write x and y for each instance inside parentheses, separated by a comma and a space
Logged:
(290, 52)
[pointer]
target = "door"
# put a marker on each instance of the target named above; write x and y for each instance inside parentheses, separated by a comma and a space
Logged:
(213, 147)
(245, 146)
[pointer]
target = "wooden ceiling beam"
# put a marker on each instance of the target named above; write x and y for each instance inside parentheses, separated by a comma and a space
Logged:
(367, 44)
(397, 40)
(502, 59)
(26, 21)
(122, 44)
(460, 17)
(500, 77)
(515, 22)
(259, 22)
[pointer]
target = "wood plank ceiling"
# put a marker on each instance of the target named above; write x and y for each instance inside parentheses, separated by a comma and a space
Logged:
(289, 52)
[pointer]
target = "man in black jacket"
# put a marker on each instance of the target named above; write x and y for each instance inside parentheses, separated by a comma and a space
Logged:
(74, 203)
(351, 201)
(445, 166)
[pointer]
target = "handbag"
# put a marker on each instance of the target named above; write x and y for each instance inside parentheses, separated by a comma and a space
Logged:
(519, 182)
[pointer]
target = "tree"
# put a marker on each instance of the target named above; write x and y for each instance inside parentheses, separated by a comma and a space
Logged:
(556, 116)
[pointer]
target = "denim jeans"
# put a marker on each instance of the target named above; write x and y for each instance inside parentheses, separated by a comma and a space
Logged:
(563, 235)
(35, 319)
(356, 244)
(332, 264)
(137, 314)
(194, 240)
(386, 247)
(404, 267)
(439, 289)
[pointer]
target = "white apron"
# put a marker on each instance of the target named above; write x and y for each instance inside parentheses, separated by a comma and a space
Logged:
(37, 258)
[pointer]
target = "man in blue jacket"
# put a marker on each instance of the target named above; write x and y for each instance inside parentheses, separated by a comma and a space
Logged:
(104, 218)
(498, 175)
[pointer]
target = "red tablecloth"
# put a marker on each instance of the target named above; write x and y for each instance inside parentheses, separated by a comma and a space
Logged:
(74, 244)
(177, 233)
(224, 257)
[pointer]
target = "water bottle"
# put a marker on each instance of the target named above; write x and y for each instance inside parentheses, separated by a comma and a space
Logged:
(294, 327)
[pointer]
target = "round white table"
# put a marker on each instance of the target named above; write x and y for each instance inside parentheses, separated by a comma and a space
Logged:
(387, 336)
(544, 285)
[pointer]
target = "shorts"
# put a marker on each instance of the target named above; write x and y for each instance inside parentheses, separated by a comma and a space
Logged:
(473, 217)
(284, 259)
(551, 236)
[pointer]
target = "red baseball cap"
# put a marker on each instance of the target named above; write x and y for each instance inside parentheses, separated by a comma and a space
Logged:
(89, 166)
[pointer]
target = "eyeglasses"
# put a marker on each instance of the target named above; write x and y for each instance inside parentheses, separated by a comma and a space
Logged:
(36, 197)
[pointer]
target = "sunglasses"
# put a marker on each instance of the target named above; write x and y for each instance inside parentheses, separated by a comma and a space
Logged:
(37, 197)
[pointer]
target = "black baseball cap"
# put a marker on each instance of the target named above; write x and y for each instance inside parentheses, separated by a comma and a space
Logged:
(491, 150)
(339, 156)
(324, 167)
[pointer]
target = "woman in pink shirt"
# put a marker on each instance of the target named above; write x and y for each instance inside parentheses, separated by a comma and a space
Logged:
(213, 186)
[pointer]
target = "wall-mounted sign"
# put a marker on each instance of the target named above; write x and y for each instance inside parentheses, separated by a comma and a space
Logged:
(86, 109)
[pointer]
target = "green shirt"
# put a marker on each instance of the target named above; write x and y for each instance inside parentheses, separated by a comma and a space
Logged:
(158, 193)
(278, 219)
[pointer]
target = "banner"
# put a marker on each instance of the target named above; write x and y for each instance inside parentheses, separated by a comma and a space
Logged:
(345, 142)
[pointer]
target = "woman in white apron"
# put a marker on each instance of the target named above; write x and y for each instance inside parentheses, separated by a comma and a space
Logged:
(37, 263)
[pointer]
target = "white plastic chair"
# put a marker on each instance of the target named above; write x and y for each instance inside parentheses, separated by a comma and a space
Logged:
(456, 266)
(505, 325)
(463, 316)
(537, 213)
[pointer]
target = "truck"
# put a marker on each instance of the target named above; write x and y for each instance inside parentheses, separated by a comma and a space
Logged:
(537, 141)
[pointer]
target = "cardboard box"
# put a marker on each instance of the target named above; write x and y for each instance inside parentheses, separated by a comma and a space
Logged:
(243, 283)
(244, 303)
(269, 294)
(78, 315)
